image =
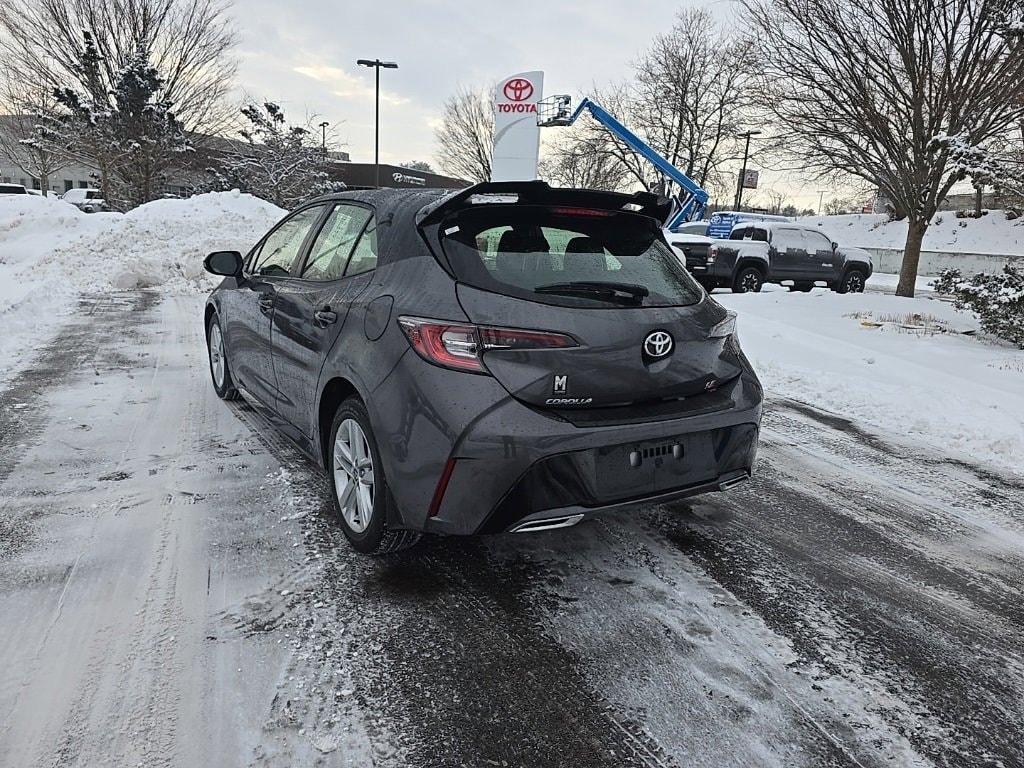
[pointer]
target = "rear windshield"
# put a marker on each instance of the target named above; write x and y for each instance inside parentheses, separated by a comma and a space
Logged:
(566, 256)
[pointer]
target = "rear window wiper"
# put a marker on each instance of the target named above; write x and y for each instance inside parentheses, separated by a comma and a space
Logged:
(625, 293)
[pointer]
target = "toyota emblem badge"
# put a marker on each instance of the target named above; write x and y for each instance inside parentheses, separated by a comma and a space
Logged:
(658, 344)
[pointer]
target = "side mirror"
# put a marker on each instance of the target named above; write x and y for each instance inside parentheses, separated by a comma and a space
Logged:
(835, 246)
(224, 263)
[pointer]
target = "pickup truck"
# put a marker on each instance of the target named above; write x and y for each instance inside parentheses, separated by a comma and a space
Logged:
(759, 252)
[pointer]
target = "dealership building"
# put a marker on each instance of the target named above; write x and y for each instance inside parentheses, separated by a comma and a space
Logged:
(357, 175)
(209, 149)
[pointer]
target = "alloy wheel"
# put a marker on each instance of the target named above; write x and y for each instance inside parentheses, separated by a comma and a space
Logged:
(353, 475)
(217, 354)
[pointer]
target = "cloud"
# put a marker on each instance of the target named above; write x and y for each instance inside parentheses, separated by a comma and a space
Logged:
(347, 86)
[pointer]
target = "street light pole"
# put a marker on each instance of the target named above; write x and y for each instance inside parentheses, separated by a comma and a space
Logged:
(323, 130)
(377, 64)
(743, 172)
(821, 199)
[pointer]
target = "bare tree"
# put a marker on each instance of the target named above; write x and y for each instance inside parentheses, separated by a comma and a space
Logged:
(189, 43)
(692, 89)
(776, 200)
(889, 91)
(620, 100)
(687, 101)
(465, 137)
(573, 160)
(30, 135)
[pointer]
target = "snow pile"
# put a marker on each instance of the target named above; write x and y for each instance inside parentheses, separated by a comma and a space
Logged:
(50, 253)
(993, 233)
(901, 365)
(164, 242)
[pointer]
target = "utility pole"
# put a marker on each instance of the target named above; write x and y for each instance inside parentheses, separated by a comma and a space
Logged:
(743, 172)
(821, 198)
(377, 64)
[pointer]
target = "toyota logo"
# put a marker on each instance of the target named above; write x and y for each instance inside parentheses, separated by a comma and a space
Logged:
(658, 344)
(518, 89)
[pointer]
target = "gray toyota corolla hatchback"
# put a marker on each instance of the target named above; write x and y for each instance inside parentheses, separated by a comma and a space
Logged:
(510, 357)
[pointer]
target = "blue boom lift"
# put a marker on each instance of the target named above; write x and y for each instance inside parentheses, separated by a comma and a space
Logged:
(691, 199)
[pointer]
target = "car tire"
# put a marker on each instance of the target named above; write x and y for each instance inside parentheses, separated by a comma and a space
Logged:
(220, 372)
(748, 280)
(361, 506)
(802, 287)
(853, 282)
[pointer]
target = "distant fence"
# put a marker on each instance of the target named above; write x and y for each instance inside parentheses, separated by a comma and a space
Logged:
(933, 262)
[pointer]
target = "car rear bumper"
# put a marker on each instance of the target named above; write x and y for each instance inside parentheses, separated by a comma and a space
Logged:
(565, 517)
(514, 464)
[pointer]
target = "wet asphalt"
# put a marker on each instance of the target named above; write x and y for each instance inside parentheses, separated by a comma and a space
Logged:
(175, 591)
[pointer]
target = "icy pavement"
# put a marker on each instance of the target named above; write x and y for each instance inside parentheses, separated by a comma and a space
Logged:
(174, 593)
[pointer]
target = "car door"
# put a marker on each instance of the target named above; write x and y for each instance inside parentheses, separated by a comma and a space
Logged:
(789, 253)
(312, 307)
(247, 311)
(821, 256)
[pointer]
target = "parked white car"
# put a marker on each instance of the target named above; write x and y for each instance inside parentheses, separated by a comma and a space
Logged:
(88, 200)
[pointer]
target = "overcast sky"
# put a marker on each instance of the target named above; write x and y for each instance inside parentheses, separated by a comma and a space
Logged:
(303, 56)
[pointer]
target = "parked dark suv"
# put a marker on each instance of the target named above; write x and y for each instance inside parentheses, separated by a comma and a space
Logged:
(510, 357)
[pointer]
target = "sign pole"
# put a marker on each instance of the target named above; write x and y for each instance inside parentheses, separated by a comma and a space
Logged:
(743, 172)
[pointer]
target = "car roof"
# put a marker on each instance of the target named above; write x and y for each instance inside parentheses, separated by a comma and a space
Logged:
(385, 199)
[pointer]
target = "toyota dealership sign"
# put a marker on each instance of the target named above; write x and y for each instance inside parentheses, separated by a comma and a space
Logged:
(516, 135)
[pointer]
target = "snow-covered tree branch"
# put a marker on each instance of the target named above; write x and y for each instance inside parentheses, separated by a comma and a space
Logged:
(282, 163)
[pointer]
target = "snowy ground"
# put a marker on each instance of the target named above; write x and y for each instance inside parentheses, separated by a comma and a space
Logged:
(174, 592)
(50, 252)
(904, 365)
(989, 234)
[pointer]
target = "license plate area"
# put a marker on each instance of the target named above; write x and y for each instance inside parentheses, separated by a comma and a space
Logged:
(653, 466)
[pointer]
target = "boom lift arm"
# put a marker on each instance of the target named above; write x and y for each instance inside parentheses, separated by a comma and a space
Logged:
(691, 200)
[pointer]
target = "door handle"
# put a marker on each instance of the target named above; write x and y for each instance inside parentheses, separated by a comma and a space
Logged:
(325, 316)
(266, 302)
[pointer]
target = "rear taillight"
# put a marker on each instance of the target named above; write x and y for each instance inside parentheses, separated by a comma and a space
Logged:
(461, 346)
(712, 254)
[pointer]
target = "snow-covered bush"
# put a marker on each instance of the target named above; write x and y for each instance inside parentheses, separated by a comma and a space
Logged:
(997, 300)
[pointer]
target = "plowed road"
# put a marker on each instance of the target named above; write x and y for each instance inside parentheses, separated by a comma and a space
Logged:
(173, 592)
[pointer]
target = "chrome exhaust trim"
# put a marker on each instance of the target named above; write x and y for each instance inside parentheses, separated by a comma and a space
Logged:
(550, 524)
(732, 482)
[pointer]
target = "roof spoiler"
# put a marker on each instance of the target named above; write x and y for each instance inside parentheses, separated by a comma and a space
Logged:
(540, 193)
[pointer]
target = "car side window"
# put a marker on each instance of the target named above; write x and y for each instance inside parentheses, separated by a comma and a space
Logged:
(331, 250)
(787, 240)
(817, 242)
(364, 257)
(280, 249)
(739, 233)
